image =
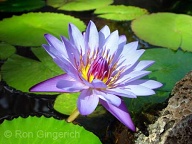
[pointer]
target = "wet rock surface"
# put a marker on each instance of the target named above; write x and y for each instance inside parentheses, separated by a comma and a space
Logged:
(174, 125)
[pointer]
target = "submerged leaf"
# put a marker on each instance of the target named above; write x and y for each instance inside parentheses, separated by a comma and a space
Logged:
(28, 29)
(78, 5)
(120, 12)
(33, 130)
(165, 29)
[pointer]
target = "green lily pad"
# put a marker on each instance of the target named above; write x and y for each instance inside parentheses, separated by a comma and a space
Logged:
(78, 5)
(20, 5)
(22, 73)
(165, 29)
(6, 50)
(33, 130)
(142, 103)
(66, 103)
(28, 29)
(170, 66)
(120, 12)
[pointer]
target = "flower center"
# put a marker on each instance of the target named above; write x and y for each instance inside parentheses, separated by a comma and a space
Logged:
(97, 70)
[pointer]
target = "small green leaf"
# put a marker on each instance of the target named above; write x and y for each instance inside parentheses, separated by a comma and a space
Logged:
(78, 5)
(170, 66)
(34, 130)
(165, 29)
(6, 50)
(120, 12)
(20, 5)
(66, 103)
(28, 29)
(22, 73)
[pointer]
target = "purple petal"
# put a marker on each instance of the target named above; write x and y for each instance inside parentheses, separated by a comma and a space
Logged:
(110, 98)
(112, 42)
(103, 34)
(139, 90)
(121, 113)
(147, 83)
(92, 37)
(98, 84)
(87, 102)
(121, 92)
(131, 77)
(143, 65)
(71, 86)
(50, 84)
(57, 46)
(76, 38)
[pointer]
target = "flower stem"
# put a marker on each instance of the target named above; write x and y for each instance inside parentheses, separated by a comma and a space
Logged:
(73, 116)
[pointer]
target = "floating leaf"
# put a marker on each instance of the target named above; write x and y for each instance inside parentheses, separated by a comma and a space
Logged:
(28, 29)
(165, 29)
(142, 103)
(20, 5)
(66, 103)
(6, 50)
(22, 73)
(33, 130)
(78, 5)
(169, 67)
(120, 12)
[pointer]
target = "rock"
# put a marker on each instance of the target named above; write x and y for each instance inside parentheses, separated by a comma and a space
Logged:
(174, 125)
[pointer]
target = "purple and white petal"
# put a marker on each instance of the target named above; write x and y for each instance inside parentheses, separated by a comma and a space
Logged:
(147, 83)
(143, 65)
(76, 38)
(87, 102)
(103, 34)
(140, 90)
(50, 84)
(98, 84)
(71, 86)
(121, 113)
(92, 37)
(120, 92)
(112, 42)
(110, 98)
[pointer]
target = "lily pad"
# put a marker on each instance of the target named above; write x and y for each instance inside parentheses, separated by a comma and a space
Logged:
(78, 5)
(20, 5)
(139, 104)
(22, 73)
(33, 130)
(170, 66)
(165, 29)
(28, 29)
(66, 103)
(120, 12)
(6, 50)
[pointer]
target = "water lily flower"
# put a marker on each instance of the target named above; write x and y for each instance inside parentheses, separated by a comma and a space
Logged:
(102, 67)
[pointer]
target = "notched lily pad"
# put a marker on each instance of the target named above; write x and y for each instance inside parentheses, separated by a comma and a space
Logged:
(120, 12)
(20, 5)
(78, 5)
(6, 50)
(28, 29)
(165, 29)
(33, 130)
(66, 103)
(22, 73)
(170, 66)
